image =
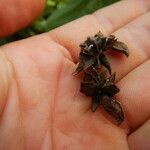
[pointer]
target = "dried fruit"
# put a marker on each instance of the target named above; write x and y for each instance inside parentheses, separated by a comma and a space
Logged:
(101, 88)
(98, 84)
(93, 49)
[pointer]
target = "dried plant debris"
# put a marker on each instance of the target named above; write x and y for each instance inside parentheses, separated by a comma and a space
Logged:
(93, 52)
(96, 82)
(101, 88)
(113, 107)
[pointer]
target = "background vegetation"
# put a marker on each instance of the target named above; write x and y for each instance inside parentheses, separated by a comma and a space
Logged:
(57, 13)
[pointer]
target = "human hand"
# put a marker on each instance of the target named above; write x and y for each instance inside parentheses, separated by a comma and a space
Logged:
(40, 103)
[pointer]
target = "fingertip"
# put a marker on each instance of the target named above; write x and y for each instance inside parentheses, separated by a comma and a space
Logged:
(15, 15)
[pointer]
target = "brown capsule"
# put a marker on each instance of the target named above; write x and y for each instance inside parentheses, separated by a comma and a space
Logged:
(93, 52)
(114, 108)
(99, 85)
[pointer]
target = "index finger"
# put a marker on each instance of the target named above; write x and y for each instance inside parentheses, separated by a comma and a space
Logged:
(106, 20)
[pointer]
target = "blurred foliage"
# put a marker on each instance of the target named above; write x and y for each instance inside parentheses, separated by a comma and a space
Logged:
(57, 13)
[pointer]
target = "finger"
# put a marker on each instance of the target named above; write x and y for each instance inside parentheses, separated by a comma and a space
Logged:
(107, 20)
(15, 14)
(119, 14)
(134, 95)
(139, 140)
(136, 36)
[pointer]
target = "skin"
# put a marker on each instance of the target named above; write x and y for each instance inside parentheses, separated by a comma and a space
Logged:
(40, 104)
(14, 14)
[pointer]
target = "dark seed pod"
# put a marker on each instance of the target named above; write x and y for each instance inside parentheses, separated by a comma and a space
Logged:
(99, 85)
(114, 108)
(92, 52)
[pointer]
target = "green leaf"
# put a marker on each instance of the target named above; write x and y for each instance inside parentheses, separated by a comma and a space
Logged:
(75, 9)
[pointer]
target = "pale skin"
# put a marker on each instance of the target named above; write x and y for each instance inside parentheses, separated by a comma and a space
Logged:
(41, 107)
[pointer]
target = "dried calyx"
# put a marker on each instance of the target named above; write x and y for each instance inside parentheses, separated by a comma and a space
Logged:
(98, 84)
(93, 52)
(101, 88)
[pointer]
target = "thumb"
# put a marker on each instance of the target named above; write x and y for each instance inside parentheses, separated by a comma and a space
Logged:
(15, 15)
